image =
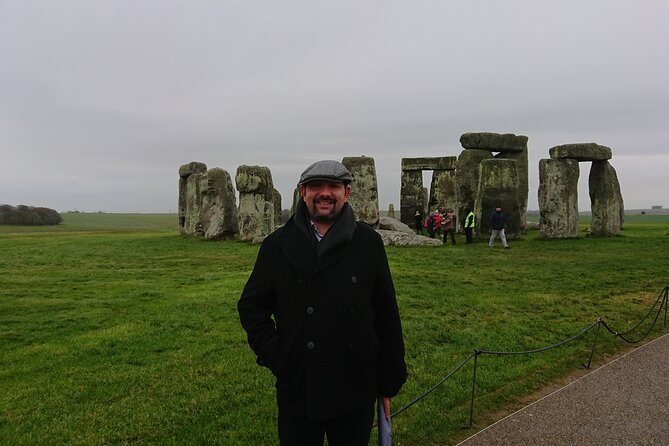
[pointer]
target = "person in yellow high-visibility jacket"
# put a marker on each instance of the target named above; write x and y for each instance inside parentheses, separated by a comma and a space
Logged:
(470, 222)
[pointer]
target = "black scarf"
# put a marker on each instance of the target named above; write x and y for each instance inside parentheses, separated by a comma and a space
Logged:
(340, 232)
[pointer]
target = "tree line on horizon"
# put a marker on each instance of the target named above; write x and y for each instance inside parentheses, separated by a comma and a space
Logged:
(22, 215)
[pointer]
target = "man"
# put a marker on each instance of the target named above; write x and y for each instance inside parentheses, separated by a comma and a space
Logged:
(320, 312)
(470, 222)
(498, 222)
(448, 225)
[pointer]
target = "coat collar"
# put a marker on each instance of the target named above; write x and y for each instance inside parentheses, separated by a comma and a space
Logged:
(309, 255)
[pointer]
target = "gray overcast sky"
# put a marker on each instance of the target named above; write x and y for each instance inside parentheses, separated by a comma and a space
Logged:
(102, 101)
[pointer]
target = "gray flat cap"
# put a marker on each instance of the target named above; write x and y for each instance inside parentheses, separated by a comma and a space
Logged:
(329, 170)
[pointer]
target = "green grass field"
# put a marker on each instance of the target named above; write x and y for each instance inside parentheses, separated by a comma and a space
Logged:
(114, 329)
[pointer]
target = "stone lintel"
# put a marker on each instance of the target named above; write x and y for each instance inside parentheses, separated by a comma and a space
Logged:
(187, 170)
(581, 152)
(495, 142)
(430, 163)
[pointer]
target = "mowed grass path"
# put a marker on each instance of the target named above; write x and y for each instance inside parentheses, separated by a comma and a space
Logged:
(114, 329)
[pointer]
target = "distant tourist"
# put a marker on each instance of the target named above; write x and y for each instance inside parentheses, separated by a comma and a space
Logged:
(448, 225)
(418, 219)
(498, 222)
(470, 222)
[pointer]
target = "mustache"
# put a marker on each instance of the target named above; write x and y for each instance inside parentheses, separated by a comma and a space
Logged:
(322, 197)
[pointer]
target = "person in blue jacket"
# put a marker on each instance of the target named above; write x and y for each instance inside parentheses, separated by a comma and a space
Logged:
(320, 311)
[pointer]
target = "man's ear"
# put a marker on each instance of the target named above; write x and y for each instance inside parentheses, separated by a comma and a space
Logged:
(303, 190)
(347, 191)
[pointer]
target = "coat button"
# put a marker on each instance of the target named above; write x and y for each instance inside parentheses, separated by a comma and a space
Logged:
(351, 347)
(351, 311)
(310, 310)
(354, 279)
(311, 345)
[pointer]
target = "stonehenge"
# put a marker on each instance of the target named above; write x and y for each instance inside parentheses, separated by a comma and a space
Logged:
(364, 198)
(413, 195)
(463, 183)
(490, 171)
(207, 203)
(558, 194)
(256, 202)
(498, 186)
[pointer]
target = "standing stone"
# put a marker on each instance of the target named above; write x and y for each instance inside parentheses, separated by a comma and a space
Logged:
(412, 196)
(605, 199)
(185, 171)
(558, 198)
(276, 200)
(424, 201)
(256, 202)
(193, 206)
(523, 180)
(391, 211)
(296, 199)
(364, 197)
(467, 180)
(219, 205)
(498, 182)
(442, 190)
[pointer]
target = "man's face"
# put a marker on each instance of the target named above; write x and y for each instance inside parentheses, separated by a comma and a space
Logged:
(324, 199)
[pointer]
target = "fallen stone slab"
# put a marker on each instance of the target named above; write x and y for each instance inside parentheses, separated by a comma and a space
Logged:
(392, 224)
(405, 239)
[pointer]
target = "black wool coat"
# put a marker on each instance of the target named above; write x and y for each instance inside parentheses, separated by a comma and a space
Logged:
(323, 317)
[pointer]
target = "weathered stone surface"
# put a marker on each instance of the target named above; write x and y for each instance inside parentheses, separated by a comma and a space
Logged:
(276, 200)
(192, 213)
(467, 180)
(581, 152)
(182, 203)
(605, 199)
(391, 224)
(391, 211)
(256, 202)
(254, 179)
(430, 163)
(185, 171)
(411, 195)
(558, 198)
(498, 183)
(523, 180)
(406, 239)
(364, 197)
(193, 167)
(219, 205)
(496, 142)
(442, 190)
(296, 199)
(423, 200)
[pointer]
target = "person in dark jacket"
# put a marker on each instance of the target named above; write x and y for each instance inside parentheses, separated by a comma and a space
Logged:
(498, 222)
(418, 220)
(320, 312)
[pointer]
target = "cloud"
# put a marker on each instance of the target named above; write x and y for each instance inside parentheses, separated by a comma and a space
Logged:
(113, 96)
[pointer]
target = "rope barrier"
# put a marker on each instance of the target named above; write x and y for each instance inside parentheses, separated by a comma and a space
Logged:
(663, 299)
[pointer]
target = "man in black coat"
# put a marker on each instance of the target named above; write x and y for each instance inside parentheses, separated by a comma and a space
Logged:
(320, 312)
(498, 223)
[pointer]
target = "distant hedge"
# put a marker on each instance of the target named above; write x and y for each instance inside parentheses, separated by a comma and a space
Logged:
(28, 216)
